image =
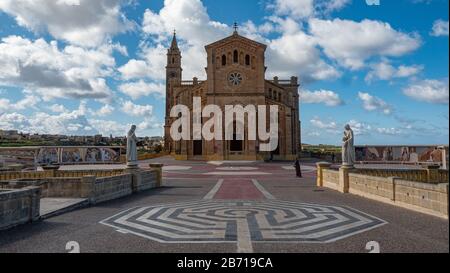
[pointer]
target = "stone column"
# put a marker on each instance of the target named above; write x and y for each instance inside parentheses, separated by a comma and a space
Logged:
(136, 178)
(320, 167)
(88, 188)
(35, 203)
(343, 185)
(432, 173)
(157, 167)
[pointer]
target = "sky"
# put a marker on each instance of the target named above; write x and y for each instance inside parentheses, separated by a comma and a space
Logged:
(80, 67)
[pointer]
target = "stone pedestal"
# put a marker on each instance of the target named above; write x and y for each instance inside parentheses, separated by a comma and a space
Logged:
(88, 187)
(343, 185)
(136, 177)
(320, 167)
(157, 167)
(132, 165)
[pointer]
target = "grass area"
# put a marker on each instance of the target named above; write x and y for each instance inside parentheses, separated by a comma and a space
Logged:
(325, 149)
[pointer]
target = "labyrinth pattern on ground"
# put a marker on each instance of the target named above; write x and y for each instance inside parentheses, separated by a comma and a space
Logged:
(221, 221)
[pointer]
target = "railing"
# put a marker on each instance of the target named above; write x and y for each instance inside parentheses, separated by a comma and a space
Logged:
(4, 176)
(411, 175)
(10, 175)
(190, 83)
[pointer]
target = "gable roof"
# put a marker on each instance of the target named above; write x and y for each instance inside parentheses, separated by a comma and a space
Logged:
(235, 36)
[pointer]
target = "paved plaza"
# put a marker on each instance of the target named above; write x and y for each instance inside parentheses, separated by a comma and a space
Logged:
(233, 206)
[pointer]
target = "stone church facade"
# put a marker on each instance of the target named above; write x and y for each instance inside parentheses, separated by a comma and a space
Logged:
(235, 76)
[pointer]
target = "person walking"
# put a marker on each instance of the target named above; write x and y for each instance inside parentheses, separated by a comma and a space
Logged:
(298, 169)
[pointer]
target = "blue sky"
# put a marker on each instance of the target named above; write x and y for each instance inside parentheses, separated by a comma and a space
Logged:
(83, 67)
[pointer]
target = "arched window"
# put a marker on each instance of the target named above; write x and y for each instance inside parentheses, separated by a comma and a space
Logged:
(247, 59)
(173, 60)
(224, 60)
(235, 56)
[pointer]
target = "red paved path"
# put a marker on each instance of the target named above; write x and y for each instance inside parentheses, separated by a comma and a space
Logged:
(240, 188)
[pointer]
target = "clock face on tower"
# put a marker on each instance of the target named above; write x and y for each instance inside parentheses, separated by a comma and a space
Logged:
(235, 78)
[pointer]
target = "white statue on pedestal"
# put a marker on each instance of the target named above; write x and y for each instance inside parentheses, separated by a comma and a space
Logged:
(348, 148)
(132, 147)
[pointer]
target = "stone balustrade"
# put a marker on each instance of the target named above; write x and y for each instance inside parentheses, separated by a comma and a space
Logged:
(427, 194)
(6, 176)
(18, 197)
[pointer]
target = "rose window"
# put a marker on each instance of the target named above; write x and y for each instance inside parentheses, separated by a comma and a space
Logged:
(235, 78)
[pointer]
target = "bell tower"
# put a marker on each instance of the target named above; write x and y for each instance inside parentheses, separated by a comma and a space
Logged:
(173, 79)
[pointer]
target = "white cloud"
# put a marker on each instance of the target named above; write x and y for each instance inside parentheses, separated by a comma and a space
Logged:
(385, 71)
(297, 54)
(431, 91)
(292, 53)
(105, 110)
(371, 103)
(352, 43)
(70, 123)
(57, 108)
(303, 9)
(297, 9)
(440, 28)
(359, 128)
(389, 131)
(43, 68)
(316, 122)
(141, 88)
(329, 98)
(81, 22)
(107, 127)
(136, 110)
(29, 101)
(134, 69)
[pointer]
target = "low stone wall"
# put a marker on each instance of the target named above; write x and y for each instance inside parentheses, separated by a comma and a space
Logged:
(330, 179)
(149, 180)
(10, 175)
(427, 197)
(429, 173)
(20, 198)
(109, 188)
(379, 188)
(19, 206)
(71, 187)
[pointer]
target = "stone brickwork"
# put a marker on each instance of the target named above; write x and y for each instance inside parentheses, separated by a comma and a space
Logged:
(19, 206)
(109, 188)
(427, 197)
(71, 187)
(371, 186)
(33, 175)
(235, 75)
(149, 180)
(330, 179)
(432, 198)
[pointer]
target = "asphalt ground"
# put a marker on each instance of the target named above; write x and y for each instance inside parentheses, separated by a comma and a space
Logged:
(405, 231)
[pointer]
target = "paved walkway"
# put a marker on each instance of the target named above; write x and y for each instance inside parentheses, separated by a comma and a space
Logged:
(234, 207)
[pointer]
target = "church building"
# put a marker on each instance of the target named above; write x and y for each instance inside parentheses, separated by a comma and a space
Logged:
(235, 75)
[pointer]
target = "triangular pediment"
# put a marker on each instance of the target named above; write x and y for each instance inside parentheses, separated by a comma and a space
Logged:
(236, 38)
